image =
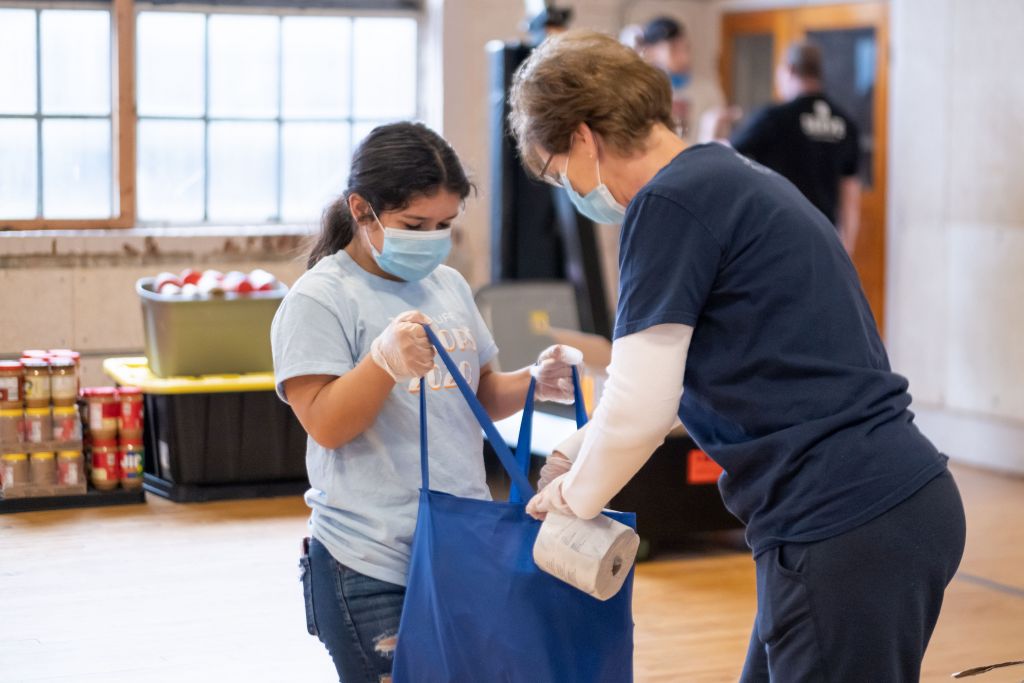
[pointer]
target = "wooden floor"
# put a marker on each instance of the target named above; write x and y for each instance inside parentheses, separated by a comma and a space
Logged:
(210, 592)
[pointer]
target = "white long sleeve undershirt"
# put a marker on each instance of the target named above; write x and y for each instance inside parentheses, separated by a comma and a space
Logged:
(638, 408)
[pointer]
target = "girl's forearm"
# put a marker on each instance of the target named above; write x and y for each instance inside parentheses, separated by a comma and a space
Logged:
(503, 393)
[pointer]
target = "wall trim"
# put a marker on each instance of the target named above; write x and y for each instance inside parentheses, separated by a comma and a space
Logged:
(991, 443)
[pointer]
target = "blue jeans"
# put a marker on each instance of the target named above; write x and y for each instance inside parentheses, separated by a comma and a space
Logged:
(355, 616)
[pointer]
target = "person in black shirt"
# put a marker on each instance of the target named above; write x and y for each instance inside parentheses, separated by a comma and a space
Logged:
(810, 141)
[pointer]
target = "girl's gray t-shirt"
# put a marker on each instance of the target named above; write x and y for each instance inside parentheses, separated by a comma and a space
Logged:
(364, 495)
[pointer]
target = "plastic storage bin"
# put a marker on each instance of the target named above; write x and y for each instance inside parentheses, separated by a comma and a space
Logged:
(217, 436)
(228, 333)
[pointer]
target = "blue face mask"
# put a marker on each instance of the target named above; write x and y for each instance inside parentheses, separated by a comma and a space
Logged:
(409, 254)
(598, 205)
(679, 80)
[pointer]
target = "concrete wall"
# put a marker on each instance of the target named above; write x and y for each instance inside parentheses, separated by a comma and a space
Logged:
(956, 222)
(76, 289)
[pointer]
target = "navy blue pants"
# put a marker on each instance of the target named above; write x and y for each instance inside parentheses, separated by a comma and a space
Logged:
(861, 606)
(355, 616)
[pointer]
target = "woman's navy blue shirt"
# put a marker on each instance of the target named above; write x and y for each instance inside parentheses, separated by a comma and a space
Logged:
(788, 385)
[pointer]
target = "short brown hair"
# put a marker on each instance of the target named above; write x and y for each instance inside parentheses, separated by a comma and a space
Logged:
(804, 60)
(585, 77)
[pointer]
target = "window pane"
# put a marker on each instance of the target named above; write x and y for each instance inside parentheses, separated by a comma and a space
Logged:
(170, 172)
(243, 171)
(18, 168)
(76, 61)
(316, 66)
(171, 69)
(361, 129)
(18, 57)
(76, 169)
(243, 66)
(385, 68)
(315, 167)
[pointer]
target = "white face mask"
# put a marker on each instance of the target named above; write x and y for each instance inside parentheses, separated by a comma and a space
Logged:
(598, 205)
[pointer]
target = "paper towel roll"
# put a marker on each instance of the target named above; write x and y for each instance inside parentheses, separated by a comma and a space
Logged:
(593, 555)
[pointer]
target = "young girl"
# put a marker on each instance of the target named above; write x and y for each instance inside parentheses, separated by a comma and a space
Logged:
(349, 349)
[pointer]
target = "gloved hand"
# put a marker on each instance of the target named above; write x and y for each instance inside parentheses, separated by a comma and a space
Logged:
(553, 372)
(556, 465)
(549, 500)
(403, 349)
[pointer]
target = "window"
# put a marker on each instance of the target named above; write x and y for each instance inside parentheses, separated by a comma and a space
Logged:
(56, 141)
(252, 118)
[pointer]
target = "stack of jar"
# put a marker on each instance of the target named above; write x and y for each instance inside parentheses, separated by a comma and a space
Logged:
(40, 430)
(114, 436)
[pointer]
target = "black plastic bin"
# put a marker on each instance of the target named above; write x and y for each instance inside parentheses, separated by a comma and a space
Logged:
(216, 437)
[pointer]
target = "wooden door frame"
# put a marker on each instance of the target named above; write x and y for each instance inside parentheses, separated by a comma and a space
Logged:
(789, 24)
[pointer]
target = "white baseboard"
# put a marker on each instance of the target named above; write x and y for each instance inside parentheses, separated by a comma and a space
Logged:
(972, 439)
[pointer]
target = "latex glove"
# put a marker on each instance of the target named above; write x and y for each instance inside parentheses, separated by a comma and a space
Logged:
(549, 500)
(403, 349)
(553, 372)
(556, 465)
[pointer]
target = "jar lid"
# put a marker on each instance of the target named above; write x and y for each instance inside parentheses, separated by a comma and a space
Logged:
(70, 454)
(62, 362)
(37, 412)
(35, 362)
(129, 391)
(11, 412)
(35, 353)
(43, 455)
(14, 456)
(10, 365)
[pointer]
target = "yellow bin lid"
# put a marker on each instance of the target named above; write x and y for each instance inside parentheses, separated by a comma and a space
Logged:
(134, 372)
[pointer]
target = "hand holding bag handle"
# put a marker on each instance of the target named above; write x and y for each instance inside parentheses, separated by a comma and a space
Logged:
(523, 450)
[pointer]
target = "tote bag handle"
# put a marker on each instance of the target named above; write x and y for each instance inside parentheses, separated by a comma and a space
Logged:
(508, 461)
(523, 451)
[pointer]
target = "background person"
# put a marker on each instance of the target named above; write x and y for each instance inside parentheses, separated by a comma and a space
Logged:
(810, 141)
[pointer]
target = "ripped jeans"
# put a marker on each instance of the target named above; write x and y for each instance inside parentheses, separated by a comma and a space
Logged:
(355, 616)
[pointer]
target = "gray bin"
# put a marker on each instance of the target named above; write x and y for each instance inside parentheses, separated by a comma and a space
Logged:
(208, 335)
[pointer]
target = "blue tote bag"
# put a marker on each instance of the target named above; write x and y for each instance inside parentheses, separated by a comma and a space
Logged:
(477, 608)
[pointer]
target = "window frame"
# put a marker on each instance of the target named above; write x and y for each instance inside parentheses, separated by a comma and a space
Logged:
(124, 117)
(122, 89)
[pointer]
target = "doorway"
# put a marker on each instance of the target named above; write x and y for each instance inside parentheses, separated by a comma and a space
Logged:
(854, 39)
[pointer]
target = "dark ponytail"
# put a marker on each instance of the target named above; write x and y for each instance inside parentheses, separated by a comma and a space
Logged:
(395, 164)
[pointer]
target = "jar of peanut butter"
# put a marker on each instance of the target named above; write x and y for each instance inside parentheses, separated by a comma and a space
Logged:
(70, 468)
(12, 427)
(105, 472)
(37, 382)
(12, 385)
(63, 381)
(15, 470)
(38, 425)
(43, 468)
(104, 411)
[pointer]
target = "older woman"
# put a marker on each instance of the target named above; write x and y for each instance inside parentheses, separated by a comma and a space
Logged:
(740, 313)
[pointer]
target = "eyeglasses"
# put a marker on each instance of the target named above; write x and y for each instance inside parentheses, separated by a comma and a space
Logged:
(555, 181)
